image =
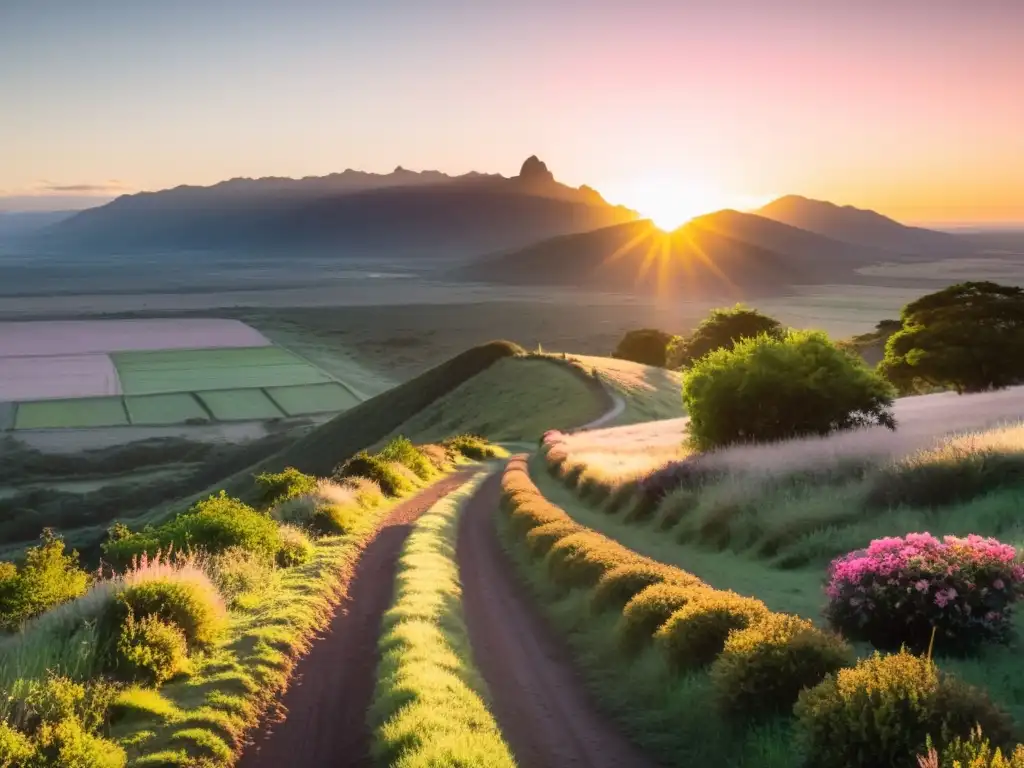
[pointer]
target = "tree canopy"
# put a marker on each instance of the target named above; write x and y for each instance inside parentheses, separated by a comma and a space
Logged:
(969, 337)
(722, 329)
(646, 345)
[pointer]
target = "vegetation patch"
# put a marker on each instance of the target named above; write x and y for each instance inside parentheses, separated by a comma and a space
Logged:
(306, 399)
(240, 405)
(71, 414)
(429, 706)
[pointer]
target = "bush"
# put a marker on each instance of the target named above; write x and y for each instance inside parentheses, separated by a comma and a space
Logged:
(436, 455)
(694, 635)
(763, 668)
(894, 592)
(212, 525)
(296, 547)
(689, 473)
(191, 604)
(650, 609)
(237, 572)
(375, 468)
(471, 446)
(402, 451)
(968, 337)
(150, 650)
(48, 578)
(15, 747)
(276, 486)
(648, 346)
(975, 752)
(882, 711)
(581, 559)
(540, 540)
(337, 520)
(617, 587)
(722, 329)
(774, 389)
(68, 745)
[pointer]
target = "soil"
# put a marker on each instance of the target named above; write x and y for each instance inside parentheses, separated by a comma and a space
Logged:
(324, 723)
(538, 699)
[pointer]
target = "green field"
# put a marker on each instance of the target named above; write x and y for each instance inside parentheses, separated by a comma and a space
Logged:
(312, 398)
(82, 412)
(164, 409)
(194, 370)
(240, 405)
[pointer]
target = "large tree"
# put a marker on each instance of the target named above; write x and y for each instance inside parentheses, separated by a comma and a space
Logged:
(646, 345)
(968, 337)
(722, 329)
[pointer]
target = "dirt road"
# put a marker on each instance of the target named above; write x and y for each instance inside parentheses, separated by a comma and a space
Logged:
(539, 701)
(325, 724)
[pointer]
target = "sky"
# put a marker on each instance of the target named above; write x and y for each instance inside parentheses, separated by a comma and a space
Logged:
(912, 107)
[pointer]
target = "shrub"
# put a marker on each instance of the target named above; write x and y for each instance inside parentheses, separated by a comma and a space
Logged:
(150, 650)
(337, 520)
(531, 514)
(471, 446)
(401, 450)
(650, 609)
(969, 337)
(975, 752)
(882, 711)
(191, 604)
(276, 486)
(375, 468)
(763, 668)
(895, 591)
(48, 578)
(237, 572)
(296, 547)
(68, 745)
(695, 634)
(773, 389)
(211, 525)
(581, 559)
(436, 455)
(617, 587)
(15, 747)
(540, 540)
(646, 345)
(721, 330)
(688, 473)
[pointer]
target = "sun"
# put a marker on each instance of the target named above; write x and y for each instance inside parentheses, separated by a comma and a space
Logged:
(672, 202)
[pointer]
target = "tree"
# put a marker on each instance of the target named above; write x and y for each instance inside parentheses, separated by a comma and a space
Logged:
(721, 330)
(968, 337)
(646, 345)
(771, 388)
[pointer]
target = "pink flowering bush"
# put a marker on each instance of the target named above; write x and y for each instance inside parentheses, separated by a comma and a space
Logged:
(894, 592)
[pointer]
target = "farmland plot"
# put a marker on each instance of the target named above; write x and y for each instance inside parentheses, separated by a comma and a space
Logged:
(312, 398)
(174, 408)
(240, 405)
(67, 414)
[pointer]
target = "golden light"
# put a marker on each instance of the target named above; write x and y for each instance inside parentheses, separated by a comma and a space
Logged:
(671, 202)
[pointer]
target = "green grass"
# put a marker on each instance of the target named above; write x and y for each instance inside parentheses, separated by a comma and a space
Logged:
(67, 414)
(515, 399)
(240, 405)
(650, 393)
(193, 370)
(429, 706)
(174, 408)
(312, 398)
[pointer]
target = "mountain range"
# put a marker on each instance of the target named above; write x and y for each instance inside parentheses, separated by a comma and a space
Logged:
(350, 213)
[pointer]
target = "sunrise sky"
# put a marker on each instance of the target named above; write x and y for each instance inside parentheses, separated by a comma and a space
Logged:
(912, 107)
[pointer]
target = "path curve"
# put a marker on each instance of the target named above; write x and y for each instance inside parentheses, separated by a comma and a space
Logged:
(327, 701)
(618, 406)
(539, 701)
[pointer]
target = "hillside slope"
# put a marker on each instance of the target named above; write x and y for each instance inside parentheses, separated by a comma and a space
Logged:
(401, 214)
(864, 227)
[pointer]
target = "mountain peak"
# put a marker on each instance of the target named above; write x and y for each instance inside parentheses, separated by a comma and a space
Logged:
(535, 170)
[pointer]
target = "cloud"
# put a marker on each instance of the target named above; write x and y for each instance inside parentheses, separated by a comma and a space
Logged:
(111, 187)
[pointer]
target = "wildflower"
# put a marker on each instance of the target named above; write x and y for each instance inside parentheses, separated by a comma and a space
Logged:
(922, 585)
(998, 584)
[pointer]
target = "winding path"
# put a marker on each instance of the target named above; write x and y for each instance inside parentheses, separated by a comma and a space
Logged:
(326, 704)
(538, 699)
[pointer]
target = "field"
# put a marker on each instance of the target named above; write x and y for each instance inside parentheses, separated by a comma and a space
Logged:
(64, 414)
(175, 408)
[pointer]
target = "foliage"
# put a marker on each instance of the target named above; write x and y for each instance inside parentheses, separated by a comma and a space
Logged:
(68, 745)
(470, 446)
(400, 449)
(648, 610)
(763, 668)
(898, 589)
(882, 711)
(296, 548)
(581, 559)
(237, 572)
(969, 337)
(686, 473)
(722, 329)
(619, 586)
(974, 752)
(15, 747)
(277, 486)
(647, 346)
(193, 605)
(376, 468)
(541, 539)
(48, 578)
(211, 525)
(694, 635)
(150, 650)
(768, 389)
